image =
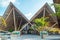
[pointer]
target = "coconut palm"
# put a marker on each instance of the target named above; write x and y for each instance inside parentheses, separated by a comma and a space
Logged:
(57, 13)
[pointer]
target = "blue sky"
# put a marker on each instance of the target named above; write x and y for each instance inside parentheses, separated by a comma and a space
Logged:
(27, 7)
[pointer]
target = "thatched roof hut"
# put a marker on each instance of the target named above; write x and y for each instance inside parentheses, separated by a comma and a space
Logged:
(45, 11)
(14, 17)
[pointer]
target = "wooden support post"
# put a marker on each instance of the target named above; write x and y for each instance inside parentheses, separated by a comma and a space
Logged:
(44, 13)
(14, 19)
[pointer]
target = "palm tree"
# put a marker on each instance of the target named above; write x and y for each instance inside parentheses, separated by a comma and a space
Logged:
(57, 13)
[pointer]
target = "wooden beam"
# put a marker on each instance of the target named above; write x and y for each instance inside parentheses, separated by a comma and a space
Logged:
(26, 25)
(8, 14)
(53, 17)
(52, 26)
(14, 19)
(32, 25)
(23, 26)
(44, 12)
(20, 24)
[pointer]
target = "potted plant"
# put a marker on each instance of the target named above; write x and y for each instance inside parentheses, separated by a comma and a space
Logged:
(16, 33)
(40, 25)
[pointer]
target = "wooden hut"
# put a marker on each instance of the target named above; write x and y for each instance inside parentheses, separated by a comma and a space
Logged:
(14, 18)
(45, 11)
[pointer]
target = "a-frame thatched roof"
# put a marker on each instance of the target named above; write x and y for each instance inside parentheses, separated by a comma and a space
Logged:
(41, 11)
(13, 16)
(10, 6)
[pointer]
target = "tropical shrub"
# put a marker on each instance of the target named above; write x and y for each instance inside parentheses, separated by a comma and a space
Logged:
(40, 23)
(57, 13)
(10, 30)
(54, 30)
(57, 7)
(2, 21)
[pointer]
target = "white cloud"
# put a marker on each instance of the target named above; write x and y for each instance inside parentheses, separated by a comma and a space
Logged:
(29, 15)
(5, 3)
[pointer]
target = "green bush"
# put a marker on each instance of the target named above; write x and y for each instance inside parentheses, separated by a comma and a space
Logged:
(10, 30)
